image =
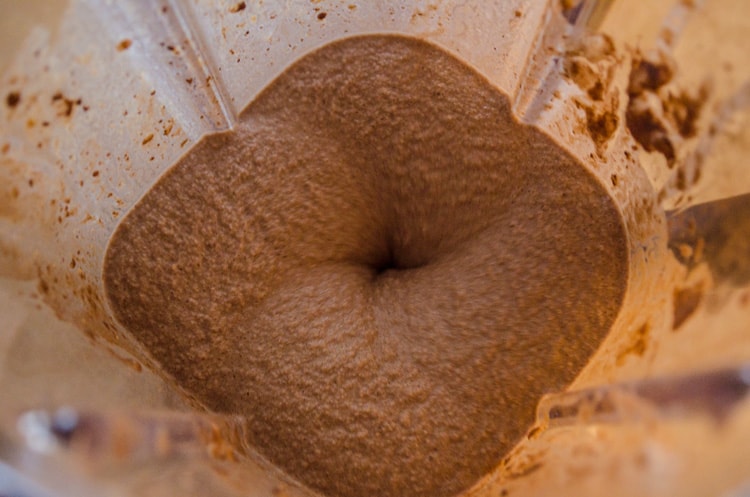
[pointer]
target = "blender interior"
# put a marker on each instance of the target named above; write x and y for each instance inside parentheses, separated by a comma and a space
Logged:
(645, 109)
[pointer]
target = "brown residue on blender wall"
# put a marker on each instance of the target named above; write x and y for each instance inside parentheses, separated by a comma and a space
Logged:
(590, 64)
(12, 99)
(237, 7)
(715, 233)
(602, 121)
(660, 115)
(686, 302)
(124, 45)
(637, 345)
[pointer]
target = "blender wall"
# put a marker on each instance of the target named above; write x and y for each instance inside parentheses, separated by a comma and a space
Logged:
(118, 91)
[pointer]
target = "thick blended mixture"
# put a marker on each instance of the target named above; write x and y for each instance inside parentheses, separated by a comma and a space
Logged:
(380, 267)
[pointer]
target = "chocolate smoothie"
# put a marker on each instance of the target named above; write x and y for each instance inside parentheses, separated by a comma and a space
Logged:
(380, 267)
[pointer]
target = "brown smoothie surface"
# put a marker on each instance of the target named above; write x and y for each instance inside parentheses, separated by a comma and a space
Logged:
(380, 267)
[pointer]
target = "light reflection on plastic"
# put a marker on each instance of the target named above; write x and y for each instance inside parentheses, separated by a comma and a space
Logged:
(35, 428)
(44, 432)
